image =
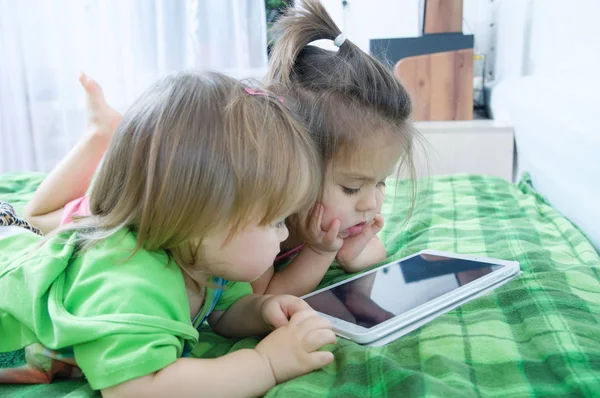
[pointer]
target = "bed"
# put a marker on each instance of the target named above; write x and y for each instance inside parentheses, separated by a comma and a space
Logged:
(539, 335)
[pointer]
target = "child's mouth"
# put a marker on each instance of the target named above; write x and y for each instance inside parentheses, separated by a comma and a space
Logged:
(356, 229)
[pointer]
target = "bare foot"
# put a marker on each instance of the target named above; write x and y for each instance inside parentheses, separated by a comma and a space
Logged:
(102, 119)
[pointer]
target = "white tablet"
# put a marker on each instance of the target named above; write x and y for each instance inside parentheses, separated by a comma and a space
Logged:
(381, 301)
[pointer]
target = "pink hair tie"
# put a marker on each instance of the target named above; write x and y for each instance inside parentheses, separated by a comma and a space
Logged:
(252, 91)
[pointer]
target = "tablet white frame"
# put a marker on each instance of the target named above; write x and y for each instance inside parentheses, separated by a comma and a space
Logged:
(364, 335)
(414, 326)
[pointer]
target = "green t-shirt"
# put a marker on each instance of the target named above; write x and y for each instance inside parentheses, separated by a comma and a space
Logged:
(124, 316)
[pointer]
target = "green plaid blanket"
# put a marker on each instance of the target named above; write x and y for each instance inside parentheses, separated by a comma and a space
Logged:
(539, 335)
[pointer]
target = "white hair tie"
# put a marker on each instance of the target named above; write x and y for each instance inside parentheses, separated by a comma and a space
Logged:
(339, 40)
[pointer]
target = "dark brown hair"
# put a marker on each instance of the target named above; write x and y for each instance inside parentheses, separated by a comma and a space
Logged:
(344, 96)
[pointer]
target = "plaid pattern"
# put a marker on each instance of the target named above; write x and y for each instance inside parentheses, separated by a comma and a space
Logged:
(535, 336)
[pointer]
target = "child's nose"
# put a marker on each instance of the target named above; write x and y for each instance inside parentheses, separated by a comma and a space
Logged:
(368, 202)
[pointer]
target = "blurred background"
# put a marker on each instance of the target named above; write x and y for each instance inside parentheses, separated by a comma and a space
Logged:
(125, 45)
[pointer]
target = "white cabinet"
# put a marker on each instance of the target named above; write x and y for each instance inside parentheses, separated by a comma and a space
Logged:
(474, 147)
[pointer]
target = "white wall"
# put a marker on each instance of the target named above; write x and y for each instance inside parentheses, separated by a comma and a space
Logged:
(362, 20)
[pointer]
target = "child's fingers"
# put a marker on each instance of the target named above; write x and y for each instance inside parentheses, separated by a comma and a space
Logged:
(378, 223)
(292, 304)
(314, 322)
(274, 315)
(318, 338)
(315, 219)
(332, 233)
(301, 316)
(320, 359)
(276, 319)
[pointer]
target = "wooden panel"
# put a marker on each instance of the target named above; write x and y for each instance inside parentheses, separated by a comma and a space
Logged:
(443, 16)
(440, 84)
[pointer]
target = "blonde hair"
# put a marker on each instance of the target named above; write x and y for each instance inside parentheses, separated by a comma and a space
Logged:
(344, 97)
(196, 154)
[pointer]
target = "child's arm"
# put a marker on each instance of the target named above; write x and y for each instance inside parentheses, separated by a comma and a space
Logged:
(361, 251)
(288, 352)
(303, 274)
(255, 314)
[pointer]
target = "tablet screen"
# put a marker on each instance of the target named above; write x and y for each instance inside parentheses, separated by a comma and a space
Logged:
(376, 297)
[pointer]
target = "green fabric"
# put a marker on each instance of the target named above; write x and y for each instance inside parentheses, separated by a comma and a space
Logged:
(232, 292)
(124, 315)
(539, 335)
(18, 188)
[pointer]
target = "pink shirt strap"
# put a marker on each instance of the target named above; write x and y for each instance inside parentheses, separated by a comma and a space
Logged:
(76, 208)
(286, 256)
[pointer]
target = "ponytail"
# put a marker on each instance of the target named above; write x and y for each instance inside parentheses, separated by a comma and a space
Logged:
(349, 71)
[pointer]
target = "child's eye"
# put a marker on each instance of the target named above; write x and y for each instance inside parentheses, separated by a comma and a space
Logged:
(350, 191)
(280, 224)
(381, 184)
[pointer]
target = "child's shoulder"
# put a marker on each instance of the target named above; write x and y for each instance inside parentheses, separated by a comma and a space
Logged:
(121, 248)
(113, 277)
(110, 277)
(117, 257)
(113, 261)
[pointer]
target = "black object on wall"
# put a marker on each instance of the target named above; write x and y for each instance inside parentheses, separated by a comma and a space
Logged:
(390, 51)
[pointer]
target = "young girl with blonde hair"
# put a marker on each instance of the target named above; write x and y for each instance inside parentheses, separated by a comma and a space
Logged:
(187, 206)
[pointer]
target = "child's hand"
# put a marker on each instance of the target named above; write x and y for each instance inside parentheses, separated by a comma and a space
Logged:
(324, 241)
(291, 350)
(354, 245)
(278, 310)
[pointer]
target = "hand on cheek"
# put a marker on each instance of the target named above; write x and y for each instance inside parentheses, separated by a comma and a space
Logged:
(353, 246)
(324, 240)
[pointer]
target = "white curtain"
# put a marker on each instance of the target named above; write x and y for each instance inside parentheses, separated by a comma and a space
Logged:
(123, 44)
